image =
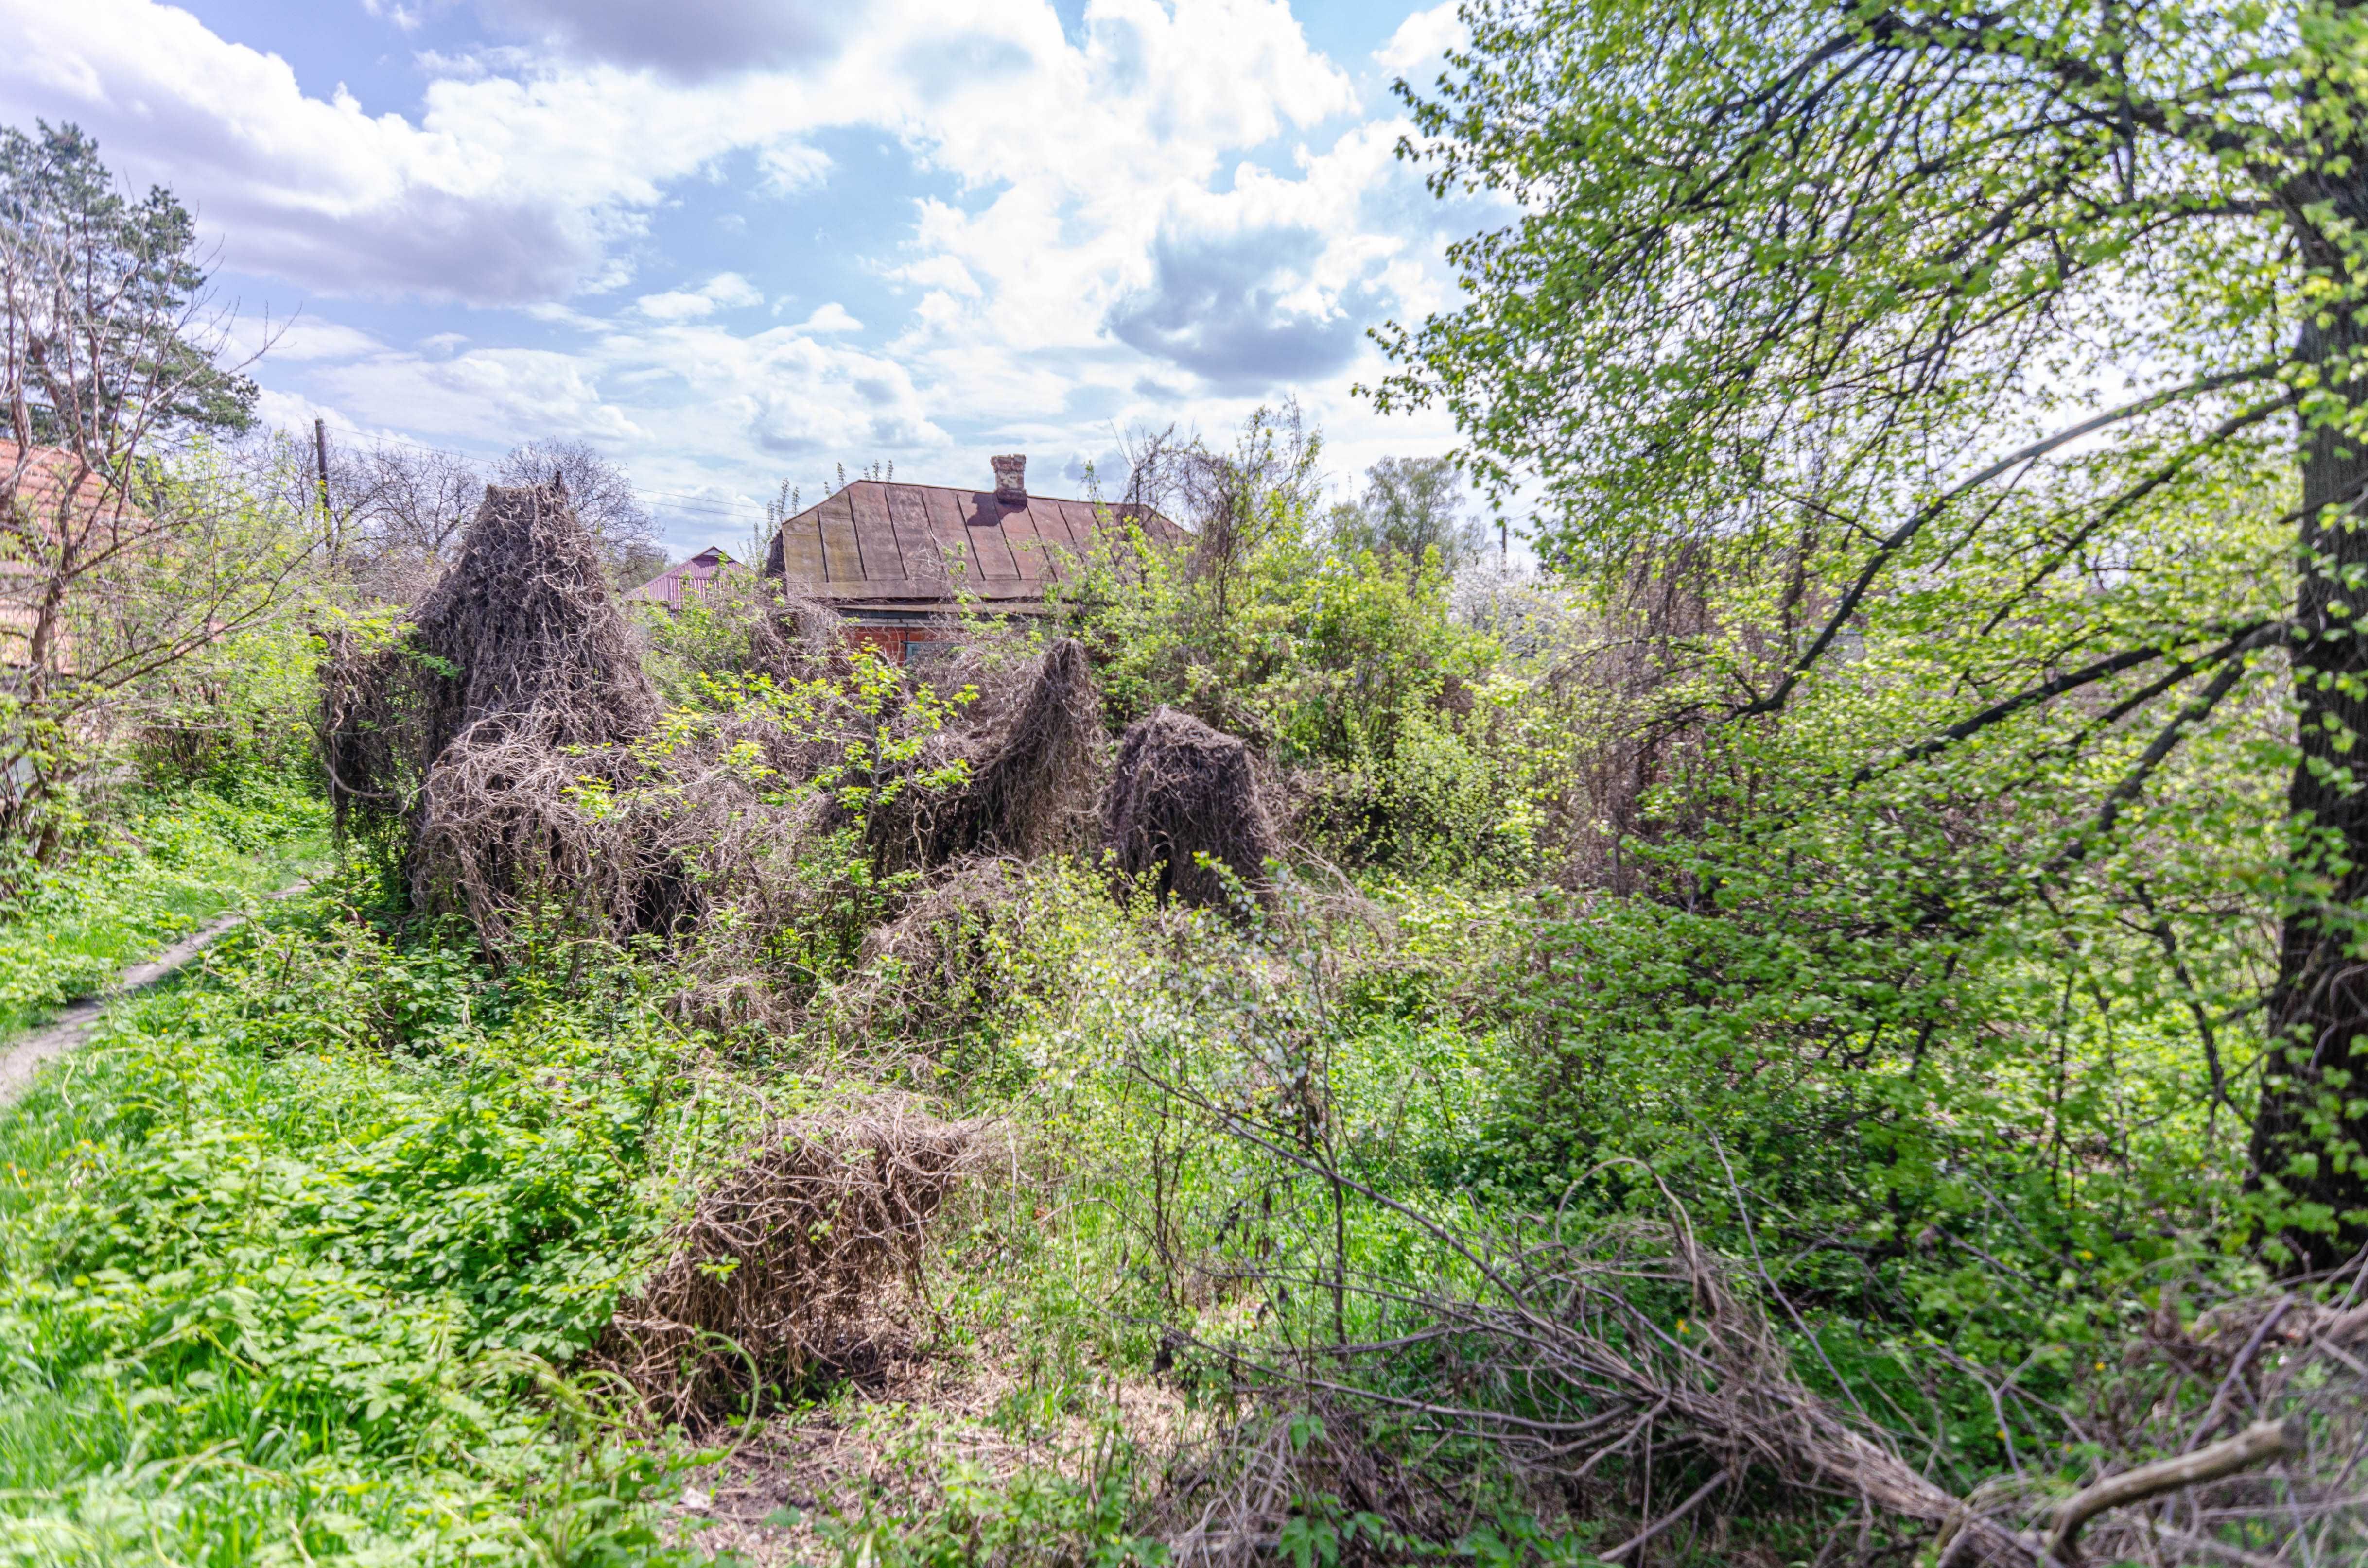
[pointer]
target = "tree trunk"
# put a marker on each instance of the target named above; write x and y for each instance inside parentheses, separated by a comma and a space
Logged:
(2311, 1128)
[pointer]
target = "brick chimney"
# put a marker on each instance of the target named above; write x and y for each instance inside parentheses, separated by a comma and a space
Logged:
(1010, 477)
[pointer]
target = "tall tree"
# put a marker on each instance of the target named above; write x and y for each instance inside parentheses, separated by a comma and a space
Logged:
(136, 274)
(126, 545)
(1411, 506)
(1863, 278)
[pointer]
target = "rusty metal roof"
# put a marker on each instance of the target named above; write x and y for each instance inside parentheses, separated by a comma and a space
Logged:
(878, 543)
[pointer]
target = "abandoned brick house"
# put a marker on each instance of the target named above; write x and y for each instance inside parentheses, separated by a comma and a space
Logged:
(899, 561)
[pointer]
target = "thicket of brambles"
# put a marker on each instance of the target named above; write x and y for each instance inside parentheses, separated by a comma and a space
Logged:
(1818, 1027)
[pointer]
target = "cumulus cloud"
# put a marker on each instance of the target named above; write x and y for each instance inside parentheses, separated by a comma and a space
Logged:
(1079, 244)
(1423, 37)
(509, 189)
(523, 392)
(790, 167)
(687, 400)
(725, 291)
(941, 272)
(832, 317)
(298, 340)
(1241, 311)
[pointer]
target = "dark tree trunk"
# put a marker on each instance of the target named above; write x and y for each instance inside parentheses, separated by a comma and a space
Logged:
(2312, 1125)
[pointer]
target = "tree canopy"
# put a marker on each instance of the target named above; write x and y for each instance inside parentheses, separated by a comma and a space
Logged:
(1411, 506)
(130, 272)
(2057, 305)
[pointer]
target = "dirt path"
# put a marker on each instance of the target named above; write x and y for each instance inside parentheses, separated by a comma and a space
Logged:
(20, 1060)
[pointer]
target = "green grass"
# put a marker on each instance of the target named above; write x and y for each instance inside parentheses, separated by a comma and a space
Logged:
(294, 1254)
(164, 870)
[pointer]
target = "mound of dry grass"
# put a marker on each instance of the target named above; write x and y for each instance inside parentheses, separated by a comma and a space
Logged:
(1182, 790)
(789, 1262)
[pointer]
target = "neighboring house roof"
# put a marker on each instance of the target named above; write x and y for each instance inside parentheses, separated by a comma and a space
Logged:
(33, 485)
(882, 545)
(688, 581)
(35, 478)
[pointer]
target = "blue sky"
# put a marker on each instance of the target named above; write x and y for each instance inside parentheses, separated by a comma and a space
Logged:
(734, 242)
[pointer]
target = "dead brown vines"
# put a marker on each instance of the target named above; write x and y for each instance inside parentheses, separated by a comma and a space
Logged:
(786, 1264)
(1182, 790)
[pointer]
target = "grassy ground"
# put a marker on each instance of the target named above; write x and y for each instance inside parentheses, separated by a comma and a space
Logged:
(302, 1257)
(292, 1251)
(308, 1255)
(164, 872)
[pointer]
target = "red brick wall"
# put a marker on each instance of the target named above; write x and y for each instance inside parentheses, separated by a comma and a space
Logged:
(891, 642)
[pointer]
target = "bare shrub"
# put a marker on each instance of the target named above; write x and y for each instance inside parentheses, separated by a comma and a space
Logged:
(395, 513)
(785, 1266)
(1181, 790)
(1628, 693)
(490, 734)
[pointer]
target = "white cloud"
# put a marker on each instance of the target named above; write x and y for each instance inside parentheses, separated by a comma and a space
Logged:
(520, 392)
(675, 306)
(725, 291)
(298, 340)
(790, 167)
(508, 187)
(405, 17)
(1162, 212)
(1422, 37)
(522, 180)
(832, 317)
(945, 272)
(733, 291)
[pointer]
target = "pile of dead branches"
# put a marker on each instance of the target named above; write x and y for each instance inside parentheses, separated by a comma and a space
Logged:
(526, 634)
(1184, 800)
(1642, 1374)
(789, 1262)
(1032, 757)
(535, 682)
(479, 726)
(1225, 1501)
(496, 743)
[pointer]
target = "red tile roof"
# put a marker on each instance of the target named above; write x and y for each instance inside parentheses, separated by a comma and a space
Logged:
(34, 478)
(881, 544)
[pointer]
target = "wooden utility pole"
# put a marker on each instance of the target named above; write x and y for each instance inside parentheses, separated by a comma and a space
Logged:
(321, 456)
